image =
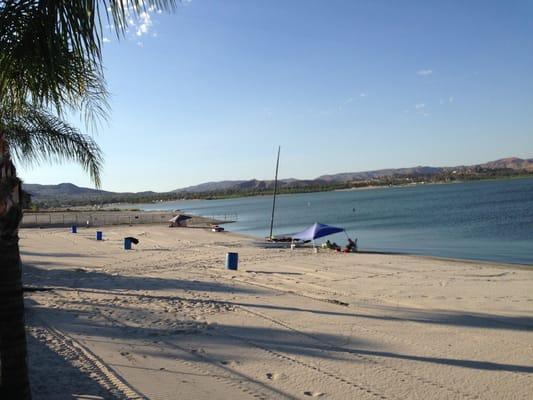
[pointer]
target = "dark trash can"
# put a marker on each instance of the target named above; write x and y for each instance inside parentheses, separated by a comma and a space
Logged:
(99, 235)
(127, 243)
(74, 229)
(232, 261)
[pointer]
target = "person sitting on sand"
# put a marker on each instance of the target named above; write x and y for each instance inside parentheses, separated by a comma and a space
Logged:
(335, 246)
(351, 247)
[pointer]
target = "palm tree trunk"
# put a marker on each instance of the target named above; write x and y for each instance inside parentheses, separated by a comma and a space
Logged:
(14, 381)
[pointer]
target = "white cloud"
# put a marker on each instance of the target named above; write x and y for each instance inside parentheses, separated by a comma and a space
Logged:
(420, 106)
(362, 95)
(140, 44)
(424, 72)
(349, 100)
(145, 23)
(141, 24)
(106, 40)
(450, 99)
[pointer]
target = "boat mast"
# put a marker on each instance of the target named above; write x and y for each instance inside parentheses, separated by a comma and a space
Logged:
(275, 193)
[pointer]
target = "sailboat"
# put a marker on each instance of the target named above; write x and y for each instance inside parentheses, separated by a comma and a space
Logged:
(304, 238)
(275, 241)
(271, 237)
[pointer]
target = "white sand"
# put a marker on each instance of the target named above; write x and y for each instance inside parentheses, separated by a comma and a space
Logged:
(167, 321)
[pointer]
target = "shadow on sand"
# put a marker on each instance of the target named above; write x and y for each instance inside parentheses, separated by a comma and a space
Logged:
(68, 382)
(83, 279)
(55, 254)
(293, 342)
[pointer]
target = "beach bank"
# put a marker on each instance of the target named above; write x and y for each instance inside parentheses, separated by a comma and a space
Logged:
(167, 320)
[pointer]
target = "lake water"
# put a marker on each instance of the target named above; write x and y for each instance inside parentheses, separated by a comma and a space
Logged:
(484, 220)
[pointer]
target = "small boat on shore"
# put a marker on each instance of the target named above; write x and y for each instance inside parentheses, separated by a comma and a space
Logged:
(291, 240)
(270, 244)
(283, 241)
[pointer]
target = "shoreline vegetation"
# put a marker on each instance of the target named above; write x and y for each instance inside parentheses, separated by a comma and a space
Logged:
(263, 189)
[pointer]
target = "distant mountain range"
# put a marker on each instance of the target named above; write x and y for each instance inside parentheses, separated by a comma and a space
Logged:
(65, 192)
(512, 163)
(63, 189)
(69, 191)
(252, 184)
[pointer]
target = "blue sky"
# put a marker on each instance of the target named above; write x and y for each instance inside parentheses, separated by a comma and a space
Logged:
(207, 93)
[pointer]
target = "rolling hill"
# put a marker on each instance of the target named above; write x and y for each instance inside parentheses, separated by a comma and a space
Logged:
(65, 192)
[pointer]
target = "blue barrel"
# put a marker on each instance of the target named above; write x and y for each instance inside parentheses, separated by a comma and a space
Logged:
(232, 261)
(74, 229)
(99, 235)
(127, 244)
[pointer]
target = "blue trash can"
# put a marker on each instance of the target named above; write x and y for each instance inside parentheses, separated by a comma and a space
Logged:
(74, 229)
(127, 244)
(232, 261)
(99, 235)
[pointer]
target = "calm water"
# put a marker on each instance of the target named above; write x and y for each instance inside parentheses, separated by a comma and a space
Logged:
(491, 220)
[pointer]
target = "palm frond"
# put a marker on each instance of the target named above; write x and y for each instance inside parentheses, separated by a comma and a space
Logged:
(51, 57)
(51, 50)
(36, 135)
(38, 67)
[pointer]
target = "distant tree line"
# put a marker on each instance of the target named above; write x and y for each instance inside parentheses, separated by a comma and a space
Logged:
(447, 176)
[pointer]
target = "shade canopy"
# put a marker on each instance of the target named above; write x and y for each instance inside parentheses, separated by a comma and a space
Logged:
(316, 231)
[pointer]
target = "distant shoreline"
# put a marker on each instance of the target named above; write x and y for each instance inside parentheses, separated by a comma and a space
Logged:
(263, 188)
(267, 194)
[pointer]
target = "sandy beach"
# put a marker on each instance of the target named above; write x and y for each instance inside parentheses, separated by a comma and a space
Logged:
(166, 320)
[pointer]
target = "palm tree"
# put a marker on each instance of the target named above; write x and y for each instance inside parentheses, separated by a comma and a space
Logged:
(50, 60)
(30, 135)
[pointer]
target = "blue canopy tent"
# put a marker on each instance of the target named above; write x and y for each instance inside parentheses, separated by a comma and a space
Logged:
(316, 231)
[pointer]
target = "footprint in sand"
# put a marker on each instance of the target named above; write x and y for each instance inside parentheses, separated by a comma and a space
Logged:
(313, 394)
(198, 351)
(231, 363)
